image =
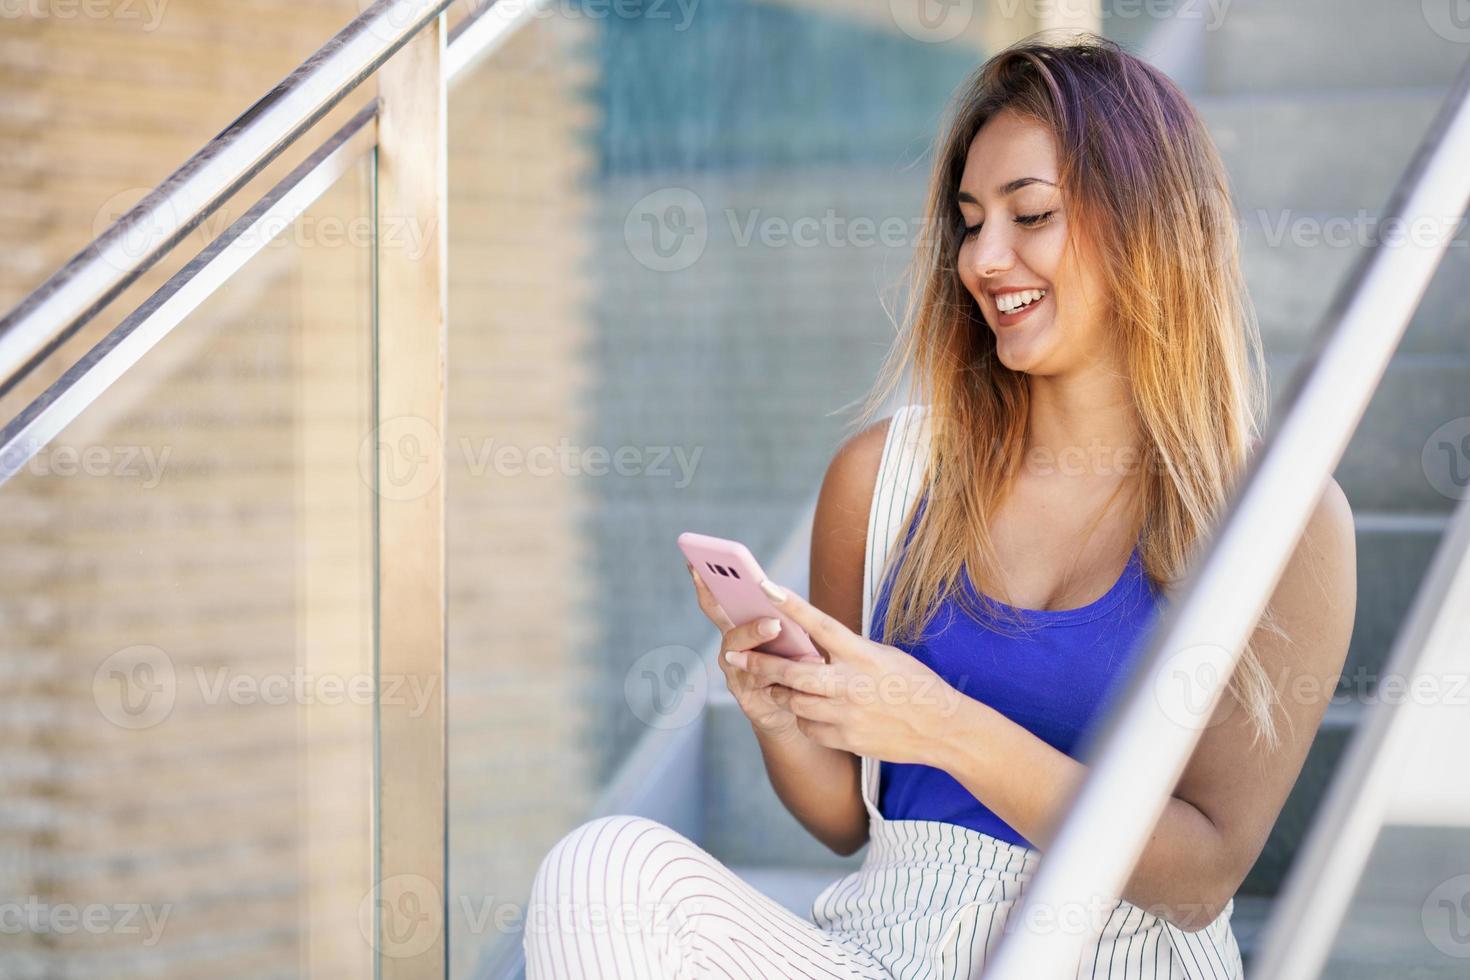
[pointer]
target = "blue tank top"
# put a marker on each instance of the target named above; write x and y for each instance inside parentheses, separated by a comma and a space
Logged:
(1055, 680)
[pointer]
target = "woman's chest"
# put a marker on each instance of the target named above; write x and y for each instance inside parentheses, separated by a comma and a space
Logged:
(1054, 680)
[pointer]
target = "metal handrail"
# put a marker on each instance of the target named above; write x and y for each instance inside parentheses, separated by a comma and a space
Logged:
(96, 275)
(63, 304)
(84, 382)
(477, 36)
(1145, 742)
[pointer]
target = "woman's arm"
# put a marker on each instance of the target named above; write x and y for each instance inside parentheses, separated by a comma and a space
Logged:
(874, 699)
(1231, 793)
(819, 784)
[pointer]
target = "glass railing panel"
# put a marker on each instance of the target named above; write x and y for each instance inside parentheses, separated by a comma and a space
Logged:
(671, 243)
(522, 570)
(187, 622)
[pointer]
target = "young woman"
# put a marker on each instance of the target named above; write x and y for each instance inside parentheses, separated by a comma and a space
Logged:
(1091, 370)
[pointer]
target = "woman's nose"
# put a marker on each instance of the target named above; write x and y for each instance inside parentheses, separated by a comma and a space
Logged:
(992, 255)
(996, 261)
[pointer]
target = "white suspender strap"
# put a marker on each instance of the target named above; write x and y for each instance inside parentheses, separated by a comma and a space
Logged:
(900, 473)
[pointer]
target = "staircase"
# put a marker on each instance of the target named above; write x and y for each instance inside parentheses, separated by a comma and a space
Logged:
(1317, 107)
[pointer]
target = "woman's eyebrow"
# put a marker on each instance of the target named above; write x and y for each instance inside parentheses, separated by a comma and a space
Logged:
(1008, 188)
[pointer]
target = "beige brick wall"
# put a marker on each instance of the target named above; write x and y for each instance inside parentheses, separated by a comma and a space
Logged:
(245, 558)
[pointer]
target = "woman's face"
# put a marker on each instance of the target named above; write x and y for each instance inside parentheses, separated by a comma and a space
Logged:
(1015, 237)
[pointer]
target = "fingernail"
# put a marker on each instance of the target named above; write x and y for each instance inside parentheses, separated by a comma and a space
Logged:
(771, 589)
(736, 657)
(769, 627)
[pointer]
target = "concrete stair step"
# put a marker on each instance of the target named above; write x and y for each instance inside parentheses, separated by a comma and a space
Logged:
(745, 821)
(1394, 552)
(794, 888)
(1266, 45)
(1294, 264)
(1401, 459)
(1323, 151)
(1302, 804)
(1394, 926)
(1402, 921)
(1248, 921)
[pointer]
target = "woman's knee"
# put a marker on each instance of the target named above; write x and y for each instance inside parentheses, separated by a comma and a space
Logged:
(600, 885)
(604, 856)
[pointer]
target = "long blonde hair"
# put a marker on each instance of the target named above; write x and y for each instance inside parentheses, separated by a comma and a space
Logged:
(1143, 181)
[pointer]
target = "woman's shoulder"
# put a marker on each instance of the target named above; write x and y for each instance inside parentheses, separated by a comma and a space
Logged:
(854, 467)
(840, 523)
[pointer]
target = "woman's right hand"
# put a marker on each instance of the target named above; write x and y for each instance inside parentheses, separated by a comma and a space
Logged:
(752, 693)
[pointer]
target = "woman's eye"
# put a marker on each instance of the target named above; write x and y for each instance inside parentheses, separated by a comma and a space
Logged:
(1027, 220)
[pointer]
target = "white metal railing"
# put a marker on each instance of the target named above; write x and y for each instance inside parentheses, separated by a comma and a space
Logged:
(137, 240)
(1142, 747)
(84, 382)
(133, 244)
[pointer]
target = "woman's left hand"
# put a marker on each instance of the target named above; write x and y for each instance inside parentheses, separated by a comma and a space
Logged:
(870, 699)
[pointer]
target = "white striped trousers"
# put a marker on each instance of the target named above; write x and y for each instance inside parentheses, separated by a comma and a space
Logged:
(628, 898)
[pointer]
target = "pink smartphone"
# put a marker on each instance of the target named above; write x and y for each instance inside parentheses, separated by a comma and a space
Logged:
(733, 575)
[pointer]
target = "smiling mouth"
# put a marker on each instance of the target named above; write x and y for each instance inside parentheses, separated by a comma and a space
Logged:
(1016, 316)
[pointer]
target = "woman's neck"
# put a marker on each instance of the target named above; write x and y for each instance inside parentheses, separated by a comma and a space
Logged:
(1084, 427)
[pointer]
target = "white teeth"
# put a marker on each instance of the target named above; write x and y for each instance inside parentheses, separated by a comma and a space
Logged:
(1010, 302)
